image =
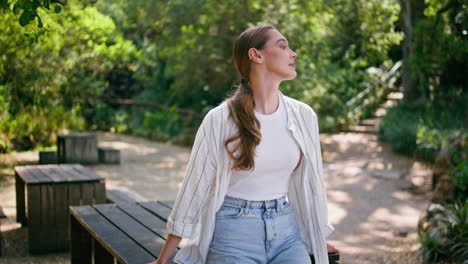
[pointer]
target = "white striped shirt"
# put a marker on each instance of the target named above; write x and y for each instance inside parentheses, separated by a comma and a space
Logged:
(208, 175)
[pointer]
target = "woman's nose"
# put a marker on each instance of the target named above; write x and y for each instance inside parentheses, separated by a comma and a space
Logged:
(294, 54)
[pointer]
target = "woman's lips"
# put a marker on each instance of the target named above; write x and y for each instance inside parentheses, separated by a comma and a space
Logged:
(293, 65)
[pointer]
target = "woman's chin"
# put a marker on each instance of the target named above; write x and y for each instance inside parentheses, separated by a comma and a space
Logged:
(292, 76)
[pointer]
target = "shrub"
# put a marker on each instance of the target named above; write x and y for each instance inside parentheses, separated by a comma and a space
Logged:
(448, 239)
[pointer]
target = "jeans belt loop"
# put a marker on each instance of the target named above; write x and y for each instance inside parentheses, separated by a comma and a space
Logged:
(284, 203)
(247, 206)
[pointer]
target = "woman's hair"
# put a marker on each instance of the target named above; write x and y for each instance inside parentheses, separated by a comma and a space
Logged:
(241, 104)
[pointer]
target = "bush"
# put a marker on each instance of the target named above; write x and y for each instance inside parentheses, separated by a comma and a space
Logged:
(448, 239)
(460, 176)
(421, 128)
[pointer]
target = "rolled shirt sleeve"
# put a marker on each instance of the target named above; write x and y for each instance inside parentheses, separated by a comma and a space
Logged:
(195, 189)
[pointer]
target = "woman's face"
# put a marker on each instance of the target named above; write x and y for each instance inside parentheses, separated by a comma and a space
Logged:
(278, 58)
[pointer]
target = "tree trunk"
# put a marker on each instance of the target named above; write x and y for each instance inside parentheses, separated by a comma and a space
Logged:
(411, 12)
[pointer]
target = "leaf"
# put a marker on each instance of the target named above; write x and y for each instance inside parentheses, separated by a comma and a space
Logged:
(3, 4)
(16, 9)
(57, 9)
(39, 21)
(25, 18)
(35, 4)
(47, 4)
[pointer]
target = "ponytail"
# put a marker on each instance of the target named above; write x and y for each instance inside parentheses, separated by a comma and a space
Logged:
(241, 111)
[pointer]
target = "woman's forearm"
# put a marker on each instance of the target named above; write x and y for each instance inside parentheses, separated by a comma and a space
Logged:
(169, 247)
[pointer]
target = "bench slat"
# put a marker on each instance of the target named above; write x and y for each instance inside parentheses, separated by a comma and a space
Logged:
(112, 238)
(87, 174)
(48, 173)
(123, 196)
(168, 203)
(68, 169)
(23, 173)
(156, 208)
(146, 218)
(150, 241)
(38, 173)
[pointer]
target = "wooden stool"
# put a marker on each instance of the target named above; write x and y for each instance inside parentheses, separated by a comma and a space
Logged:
(109, 155)
(77, 148)
(47, 157)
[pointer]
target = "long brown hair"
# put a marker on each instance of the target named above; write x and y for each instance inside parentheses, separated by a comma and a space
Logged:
(241, 103)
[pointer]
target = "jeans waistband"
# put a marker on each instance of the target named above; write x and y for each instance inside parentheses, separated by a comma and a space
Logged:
(278, 203)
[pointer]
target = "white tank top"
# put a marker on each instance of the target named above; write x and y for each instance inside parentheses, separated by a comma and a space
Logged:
(276, 157)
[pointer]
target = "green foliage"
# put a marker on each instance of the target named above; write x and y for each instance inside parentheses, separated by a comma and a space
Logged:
(400, 127)
(438, 61)
(178, 54)
(460, 176)
(422, 128)
(163, 124)
(448, 239)
(50, 85)
(29, 10)
(191, 64)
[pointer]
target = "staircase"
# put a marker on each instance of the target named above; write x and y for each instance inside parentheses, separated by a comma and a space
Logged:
(370, 125)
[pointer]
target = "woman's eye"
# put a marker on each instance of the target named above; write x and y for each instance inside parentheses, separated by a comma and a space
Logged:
(283, 47)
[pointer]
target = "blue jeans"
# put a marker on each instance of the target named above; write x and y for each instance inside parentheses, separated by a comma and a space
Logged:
(256, 232)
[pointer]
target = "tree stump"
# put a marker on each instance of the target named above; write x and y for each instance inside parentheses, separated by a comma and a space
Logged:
(77, 148)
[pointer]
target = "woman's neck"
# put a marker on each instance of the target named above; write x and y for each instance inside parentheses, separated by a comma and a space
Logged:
(265, 96)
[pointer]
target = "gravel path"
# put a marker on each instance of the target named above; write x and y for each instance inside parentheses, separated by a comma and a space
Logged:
(373, 210)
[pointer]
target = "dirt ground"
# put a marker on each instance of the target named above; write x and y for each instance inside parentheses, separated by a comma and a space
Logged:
(375, 196)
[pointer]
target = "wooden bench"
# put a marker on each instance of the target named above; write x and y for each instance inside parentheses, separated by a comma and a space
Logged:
(2, 216)
(127, 232)
(43, 195)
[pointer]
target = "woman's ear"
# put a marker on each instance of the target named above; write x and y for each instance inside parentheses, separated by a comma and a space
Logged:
(255, 55)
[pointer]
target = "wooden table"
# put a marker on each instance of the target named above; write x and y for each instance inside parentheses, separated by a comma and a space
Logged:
(128, 232)
(43, 195)
(131, 232)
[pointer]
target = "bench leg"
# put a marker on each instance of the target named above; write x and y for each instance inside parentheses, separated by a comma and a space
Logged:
(20, 201)
(101, 255)
(0, 237)
(80, 243)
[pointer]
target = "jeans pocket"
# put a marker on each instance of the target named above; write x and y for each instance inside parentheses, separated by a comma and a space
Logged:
(229, 212)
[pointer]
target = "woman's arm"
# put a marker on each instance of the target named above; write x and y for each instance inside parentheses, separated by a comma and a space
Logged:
(194, 192)
(169, 247)
(197, 184)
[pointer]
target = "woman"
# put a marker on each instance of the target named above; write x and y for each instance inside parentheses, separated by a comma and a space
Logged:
(253, 189)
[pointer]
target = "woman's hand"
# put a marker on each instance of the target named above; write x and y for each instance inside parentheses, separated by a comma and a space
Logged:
(332, 249)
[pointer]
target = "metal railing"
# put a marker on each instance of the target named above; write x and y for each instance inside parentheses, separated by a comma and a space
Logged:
(374, 92)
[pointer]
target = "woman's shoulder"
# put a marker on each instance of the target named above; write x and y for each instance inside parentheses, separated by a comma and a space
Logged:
(298, 106)
(217, 115)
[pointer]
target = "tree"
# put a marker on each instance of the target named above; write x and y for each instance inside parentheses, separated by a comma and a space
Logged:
(29, 9)
(412, 11)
